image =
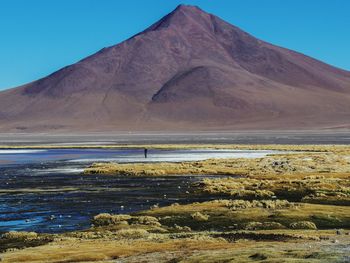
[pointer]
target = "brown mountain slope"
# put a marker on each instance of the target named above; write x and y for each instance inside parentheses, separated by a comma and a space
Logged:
(190, 70)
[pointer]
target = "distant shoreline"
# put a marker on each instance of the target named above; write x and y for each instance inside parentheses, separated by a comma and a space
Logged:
(147, 138)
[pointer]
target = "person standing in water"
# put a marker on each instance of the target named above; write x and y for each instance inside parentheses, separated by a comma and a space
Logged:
(145, 152)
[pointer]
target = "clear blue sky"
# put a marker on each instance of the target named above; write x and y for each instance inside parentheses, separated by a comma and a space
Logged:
(40, 36)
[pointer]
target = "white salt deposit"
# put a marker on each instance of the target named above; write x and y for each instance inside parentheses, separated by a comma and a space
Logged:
(20, 151)
(180, 156)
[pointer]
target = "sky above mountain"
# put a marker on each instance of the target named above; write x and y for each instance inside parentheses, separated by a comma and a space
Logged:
(39, 36)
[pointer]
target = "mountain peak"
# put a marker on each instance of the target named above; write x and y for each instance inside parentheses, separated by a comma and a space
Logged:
(188, 8)
(182, 15)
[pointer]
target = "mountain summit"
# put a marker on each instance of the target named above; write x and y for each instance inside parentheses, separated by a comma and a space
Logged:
(189, 71)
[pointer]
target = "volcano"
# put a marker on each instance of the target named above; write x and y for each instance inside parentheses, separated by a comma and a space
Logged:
(189, 71)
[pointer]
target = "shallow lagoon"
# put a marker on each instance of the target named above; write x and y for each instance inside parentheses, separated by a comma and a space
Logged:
(44, 190)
